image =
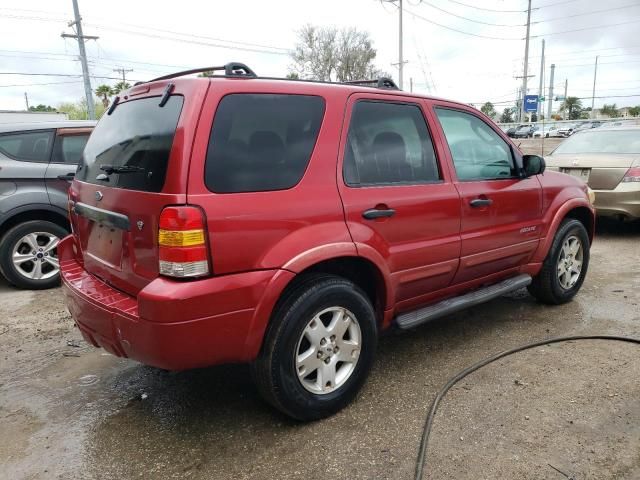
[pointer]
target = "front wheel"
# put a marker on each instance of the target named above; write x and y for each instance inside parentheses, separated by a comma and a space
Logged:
(319, 348)
(28, 254)
(565, 267)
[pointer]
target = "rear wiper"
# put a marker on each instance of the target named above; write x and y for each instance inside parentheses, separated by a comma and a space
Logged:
(109, 169)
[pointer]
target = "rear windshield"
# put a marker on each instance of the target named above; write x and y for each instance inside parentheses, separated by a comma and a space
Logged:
(601, 141)
(132, 145)
(261, 142)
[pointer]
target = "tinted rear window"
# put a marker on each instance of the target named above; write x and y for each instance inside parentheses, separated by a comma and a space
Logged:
(261, 142)
(27, 146)
(601, 141)
(138, 135)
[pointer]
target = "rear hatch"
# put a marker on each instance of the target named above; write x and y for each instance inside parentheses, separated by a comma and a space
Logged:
(134, 164)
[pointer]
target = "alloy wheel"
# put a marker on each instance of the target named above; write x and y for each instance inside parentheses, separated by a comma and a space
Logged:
(35, 256)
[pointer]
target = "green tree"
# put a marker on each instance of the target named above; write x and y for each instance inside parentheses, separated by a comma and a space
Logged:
(330, 54)
(41, 108)
(610, 110)
(104, 92)
(573, 107)
(488, 110)
(207, 74)
(293, 76)
(507, 116)
(634, 111)
(120, 86)
(79, 111)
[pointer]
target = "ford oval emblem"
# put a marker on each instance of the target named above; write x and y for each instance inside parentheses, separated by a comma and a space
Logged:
(98, 196)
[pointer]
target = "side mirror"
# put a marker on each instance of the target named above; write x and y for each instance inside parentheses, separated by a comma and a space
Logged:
(533, 165)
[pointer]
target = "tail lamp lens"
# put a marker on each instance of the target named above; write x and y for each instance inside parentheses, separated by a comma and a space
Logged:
(181, 240)
(632, 175)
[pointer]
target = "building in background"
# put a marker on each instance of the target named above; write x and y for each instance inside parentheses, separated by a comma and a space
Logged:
(17, 116)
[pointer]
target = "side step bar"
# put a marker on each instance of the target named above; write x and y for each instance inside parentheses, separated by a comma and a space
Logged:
(451, 305)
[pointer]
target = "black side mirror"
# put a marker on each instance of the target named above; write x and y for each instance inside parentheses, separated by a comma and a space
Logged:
(533, 165)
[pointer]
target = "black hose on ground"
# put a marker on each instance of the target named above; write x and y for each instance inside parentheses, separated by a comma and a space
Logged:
(422, 453)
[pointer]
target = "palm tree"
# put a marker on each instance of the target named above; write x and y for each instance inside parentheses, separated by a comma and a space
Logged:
(573, 105)
(120, 86)
(610, 110)
(104, 91)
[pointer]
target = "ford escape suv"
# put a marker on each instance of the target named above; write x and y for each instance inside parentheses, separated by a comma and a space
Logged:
(286, 224)
(37, 163)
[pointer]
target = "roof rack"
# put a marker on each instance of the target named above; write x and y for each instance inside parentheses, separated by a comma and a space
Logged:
(232, 69)
(382, 82)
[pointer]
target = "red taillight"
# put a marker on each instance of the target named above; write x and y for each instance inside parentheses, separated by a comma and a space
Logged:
(632, 175)
(182, 243)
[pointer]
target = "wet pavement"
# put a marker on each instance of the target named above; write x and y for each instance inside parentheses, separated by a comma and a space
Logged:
(70, 411)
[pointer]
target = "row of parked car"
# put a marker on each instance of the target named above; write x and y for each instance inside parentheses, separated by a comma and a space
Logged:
(562, 130)
(287, 224)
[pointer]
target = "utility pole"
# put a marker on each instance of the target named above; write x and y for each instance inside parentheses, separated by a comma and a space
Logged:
(411, 84)
(83, 57)
(400, 57)
(593, 93)
(526, 61)
(566, 87)
(540, 89)
(123, 71)
(26, 100)
(550, 104)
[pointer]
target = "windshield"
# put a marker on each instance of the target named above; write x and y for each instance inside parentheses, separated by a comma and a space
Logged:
(130, 148)
(602, 141)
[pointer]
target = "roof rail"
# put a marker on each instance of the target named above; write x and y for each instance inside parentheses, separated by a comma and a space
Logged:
(382, 82)
(232, 69)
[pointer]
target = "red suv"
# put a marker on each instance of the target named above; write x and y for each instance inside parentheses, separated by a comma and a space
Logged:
(287, 223)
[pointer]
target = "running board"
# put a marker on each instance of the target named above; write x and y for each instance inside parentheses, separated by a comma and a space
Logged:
(451, 305)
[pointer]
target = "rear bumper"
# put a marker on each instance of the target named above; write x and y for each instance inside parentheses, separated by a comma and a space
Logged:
(170, 324)
(623, 200)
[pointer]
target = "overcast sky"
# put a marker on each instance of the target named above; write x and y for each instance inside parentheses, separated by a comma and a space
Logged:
(473, 69)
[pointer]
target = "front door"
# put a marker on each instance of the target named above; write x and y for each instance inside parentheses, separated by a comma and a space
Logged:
(501, 212)
(398, 199)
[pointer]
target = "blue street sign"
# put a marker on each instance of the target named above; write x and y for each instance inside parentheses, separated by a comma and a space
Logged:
(531, 103)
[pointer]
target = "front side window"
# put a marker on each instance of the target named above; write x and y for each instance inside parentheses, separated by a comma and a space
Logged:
(478, 152)
(388, 143)
(261, 142)
(68, 148)
(27, 146)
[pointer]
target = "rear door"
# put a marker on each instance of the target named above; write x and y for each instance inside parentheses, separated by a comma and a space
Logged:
(67, 153)
(398, 198)
(134, 164)
(501, 213)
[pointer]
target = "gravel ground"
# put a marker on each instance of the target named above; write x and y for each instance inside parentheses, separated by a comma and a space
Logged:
(70, 411)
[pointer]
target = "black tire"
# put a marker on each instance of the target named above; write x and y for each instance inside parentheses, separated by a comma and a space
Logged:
(546, 286)
(8, 243)
(274, 371)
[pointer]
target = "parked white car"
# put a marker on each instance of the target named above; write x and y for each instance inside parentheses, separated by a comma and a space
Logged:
(546, 132)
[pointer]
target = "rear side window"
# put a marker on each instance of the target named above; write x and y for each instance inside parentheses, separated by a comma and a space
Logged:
(388, 143)
(68, 149)
(27, 146)
(134, 143)
(261, 142)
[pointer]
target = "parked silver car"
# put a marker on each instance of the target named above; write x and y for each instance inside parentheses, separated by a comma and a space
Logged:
(37, 162)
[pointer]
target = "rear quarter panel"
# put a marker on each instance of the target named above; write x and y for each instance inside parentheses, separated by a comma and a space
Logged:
(276, 229)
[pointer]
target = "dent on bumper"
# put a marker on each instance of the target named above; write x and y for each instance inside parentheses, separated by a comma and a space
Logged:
(171, 325)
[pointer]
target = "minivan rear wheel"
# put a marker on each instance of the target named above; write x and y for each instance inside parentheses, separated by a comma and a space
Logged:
(28, 254)
(318, 349)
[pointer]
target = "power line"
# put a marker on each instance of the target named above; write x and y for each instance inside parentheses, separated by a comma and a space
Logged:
(587, 28)
(60, 75)
(460, 31)
(487, 9)
(564, 17)
(39, 84)
(471, 19)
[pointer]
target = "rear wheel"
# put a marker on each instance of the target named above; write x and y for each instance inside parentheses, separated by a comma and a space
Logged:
(28, 254)
(565, 267)
(319, 348)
